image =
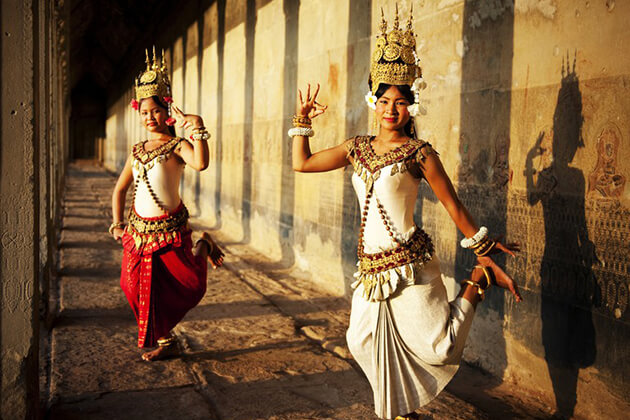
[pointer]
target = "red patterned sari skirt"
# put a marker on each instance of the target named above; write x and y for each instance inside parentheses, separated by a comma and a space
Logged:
(160, 276)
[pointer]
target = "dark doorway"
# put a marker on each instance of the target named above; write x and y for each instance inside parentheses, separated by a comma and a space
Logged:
(87, 120)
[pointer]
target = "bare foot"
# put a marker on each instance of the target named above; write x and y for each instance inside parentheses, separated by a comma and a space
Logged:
(214, 253)
(161, 353)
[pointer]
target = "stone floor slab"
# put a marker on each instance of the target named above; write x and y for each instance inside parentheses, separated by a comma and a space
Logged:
(97, 355)
(85, 293)
(166, 404)
(287, 380)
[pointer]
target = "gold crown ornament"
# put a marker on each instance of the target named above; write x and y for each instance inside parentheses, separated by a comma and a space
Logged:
(394, 61)
(153, 81)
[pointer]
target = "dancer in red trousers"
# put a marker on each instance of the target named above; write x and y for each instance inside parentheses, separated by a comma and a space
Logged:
(163, 275)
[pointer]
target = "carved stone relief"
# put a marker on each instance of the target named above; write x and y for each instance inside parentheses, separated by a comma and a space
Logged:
(605, 181)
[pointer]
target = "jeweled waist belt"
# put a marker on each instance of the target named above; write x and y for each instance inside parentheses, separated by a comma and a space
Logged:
(418, 247)
(171, 223)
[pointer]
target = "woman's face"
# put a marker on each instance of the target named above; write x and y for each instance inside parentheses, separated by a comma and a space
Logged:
(391, 109)
(153, 115)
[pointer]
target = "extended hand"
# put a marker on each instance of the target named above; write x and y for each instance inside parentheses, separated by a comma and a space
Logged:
(510, 248)
(186, 120)
(310, 108)
(501, 278)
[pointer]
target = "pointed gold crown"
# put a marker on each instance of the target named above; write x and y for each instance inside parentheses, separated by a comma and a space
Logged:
(153, 81)
(394, 59)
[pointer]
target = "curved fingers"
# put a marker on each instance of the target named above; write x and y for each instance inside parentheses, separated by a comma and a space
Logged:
(177, 110)
(505, 249)
(315, 95)
(503, 280)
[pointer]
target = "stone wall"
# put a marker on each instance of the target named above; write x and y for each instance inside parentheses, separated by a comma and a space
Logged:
(526, 105)
(33, 153)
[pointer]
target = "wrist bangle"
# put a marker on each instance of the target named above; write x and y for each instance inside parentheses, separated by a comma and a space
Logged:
(119, 225)
(301, 131)
(299, 120)
(481, 292)
(486, 249)
(201, 135)
(475, 239)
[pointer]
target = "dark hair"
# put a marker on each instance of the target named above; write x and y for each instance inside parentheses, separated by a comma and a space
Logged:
(407, 93)
(163, 105)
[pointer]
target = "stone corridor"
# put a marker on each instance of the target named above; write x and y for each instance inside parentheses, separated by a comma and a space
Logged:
(260, 345)
(525, 101)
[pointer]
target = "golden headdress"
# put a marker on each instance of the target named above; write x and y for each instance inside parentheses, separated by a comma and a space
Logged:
(394, 60)
(153, 81)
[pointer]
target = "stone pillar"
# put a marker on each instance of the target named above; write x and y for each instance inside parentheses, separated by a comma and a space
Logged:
(19, 214)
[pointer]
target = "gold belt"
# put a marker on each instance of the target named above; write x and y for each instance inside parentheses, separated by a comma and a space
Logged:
(417, 248)
(172, 223)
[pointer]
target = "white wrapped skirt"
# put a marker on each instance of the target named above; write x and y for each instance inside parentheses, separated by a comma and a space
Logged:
(410, 344)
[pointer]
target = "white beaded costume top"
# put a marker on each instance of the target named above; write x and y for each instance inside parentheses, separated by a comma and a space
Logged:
(391, 247)
(156, 188)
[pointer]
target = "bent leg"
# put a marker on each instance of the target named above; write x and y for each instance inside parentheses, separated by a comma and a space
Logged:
(410, 345)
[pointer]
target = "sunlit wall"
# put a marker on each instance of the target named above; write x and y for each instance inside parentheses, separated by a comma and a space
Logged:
(526, 104)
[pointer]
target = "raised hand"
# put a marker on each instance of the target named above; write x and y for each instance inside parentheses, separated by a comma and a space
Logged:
(537, 149)
(310, 107)
(186, 120)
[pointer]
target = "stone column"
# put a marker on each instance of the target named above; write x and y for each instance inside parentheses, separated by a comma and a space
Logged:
(19, 213)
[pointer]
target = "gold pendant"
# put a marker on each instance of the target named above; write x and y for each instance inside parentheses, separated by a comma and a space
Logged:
(369, 184)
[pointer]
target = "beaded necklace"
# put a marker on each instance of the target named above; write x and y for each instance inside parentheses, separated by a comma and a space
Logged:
(368, 165)
(145, 160)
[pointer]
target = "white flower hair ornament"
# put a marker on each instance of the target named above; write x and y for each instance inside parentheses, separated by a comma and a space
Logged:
(370, 99)
(416, 109)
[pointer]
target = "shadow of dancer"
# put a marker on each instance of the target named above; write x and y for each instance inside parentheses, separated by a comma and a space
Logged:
(568, 334)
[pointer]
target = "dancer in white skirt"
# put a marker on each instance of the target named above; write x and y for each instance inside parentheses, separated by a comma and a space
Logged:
(404, 333)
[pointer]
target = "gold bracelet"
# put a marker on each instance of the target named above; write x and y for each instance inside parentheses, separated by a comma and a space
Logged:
(488, 277)
(480, 243)
(119, 225)
(486, 250)
(165, 342)
(480, 291)
(299, 119)
(482, 246)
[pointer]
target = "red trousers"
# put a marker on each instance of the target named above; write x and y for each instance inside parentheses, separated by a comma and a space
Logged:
(161, 284)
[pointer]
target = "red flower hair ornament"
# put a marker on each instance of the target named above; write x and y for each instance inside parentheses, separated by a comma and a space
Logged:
(134, 104)
(168, 99)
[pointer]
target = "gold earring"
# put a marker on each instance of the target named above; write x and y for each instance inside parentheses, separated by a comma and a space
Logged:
(374, 125)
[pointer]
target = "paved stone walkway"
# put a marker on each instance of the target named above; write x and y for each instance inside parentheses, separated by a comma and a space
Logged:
(260, 345)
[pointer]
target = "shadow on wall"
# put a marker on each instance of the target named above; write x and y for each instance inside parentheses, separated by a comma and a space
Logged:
(248, 126)
(287, 195)
(286, 235)
(358, 53)
(568, 284)
(484, 144)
